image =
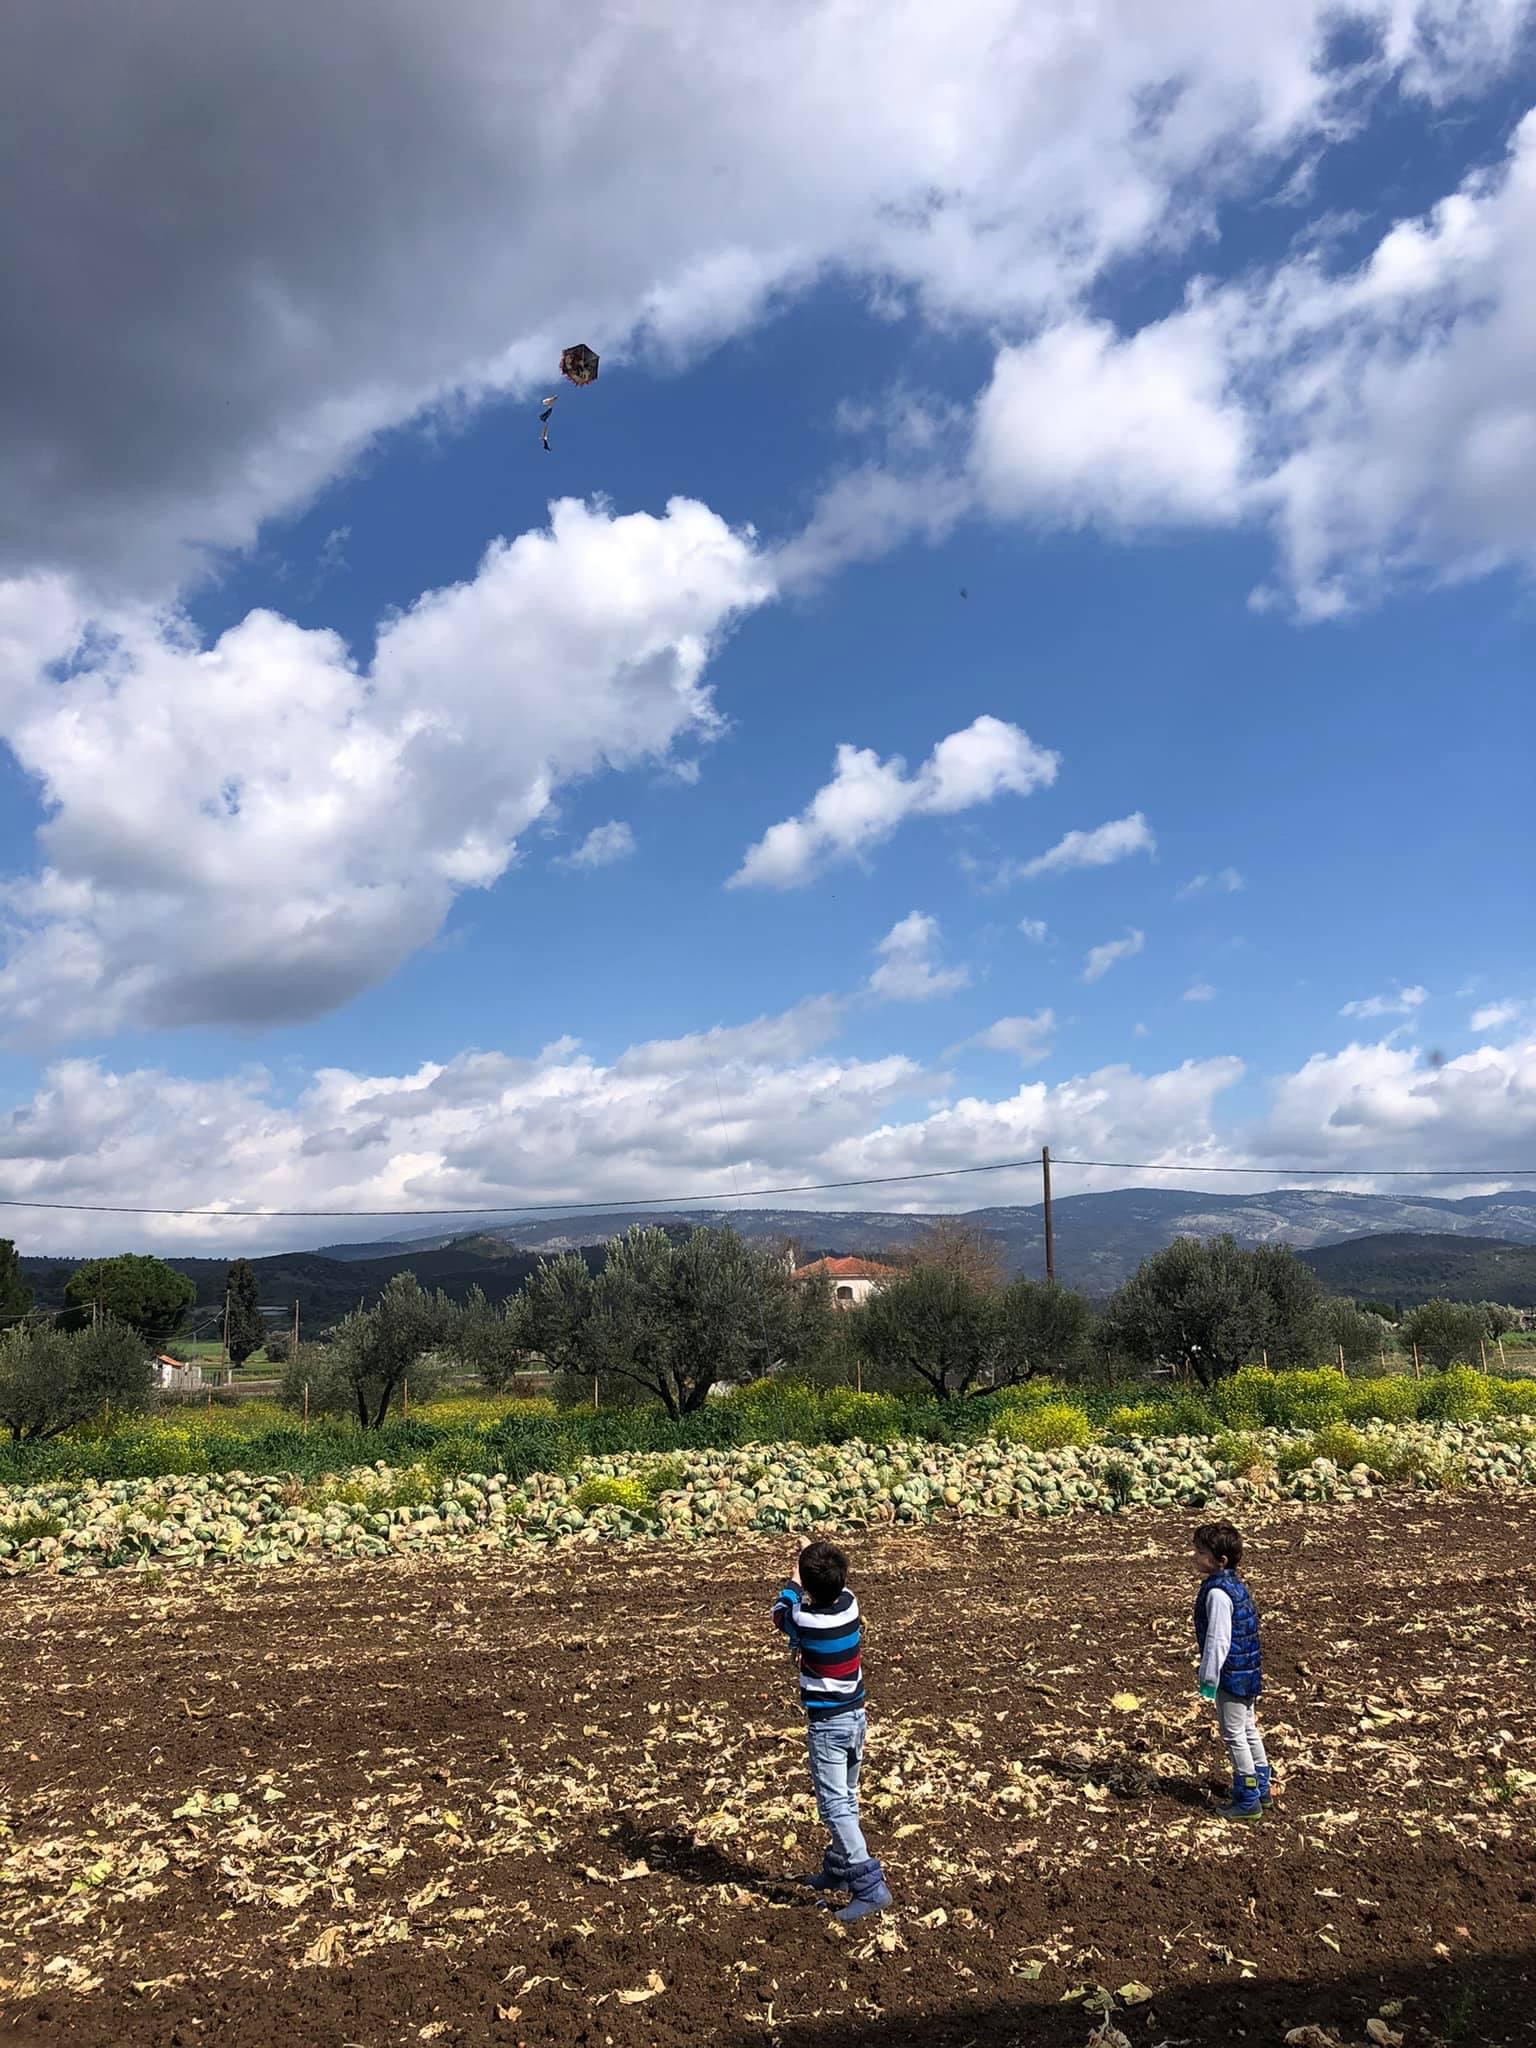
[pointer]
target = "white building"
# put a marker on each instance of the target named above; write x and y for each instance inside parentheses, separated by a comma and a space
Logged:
(853, 1280)
(172, 1377)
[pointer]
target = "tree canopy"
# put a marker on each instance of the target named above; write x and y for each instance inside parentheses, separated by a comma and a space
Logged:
(246, 1327)
(1208, 1307)
(143, 1292)
(938, 1327)
(951, 1245)
(1361, 1337)
(671, 1315)
(372, 1355)
(52, 1379)
(1445, 1333)
(15, 1294)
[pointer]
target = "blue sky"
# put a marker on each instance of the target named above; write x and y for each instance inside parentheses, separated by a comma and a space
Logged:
(1206, 480)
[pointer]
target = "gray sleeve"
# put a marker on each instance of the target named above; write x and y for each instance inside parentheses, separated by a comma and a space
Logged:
(1218, 1636)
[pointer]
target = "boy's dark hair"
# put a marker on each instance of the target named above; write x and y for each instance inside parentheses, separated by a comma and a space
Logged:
(1222, 1541)
(823, 1570)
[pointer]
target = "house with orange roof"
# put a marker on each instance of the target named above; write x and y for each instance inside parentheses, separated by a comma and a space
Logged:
(853, 1280)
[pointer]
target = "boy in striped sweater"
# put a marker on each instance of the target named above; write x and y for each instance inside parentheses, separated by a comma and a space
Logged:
(821, 1619)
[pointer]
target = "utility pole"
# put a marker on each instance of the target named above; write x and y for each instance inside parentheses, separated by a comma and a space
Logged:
(1050, 1226)
(228, 1376)
(295, 1329)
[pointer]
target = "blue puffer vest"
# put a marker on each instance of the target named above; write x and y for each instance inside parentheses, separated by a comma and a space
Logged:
(1243, 1673)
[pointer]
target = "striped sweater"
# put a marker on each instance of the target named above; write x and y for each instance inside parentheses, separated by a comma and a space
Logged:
(826, 1641)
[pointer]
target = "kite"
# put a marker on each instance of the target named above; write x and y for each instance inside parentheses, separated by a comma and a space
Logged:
(578, 365)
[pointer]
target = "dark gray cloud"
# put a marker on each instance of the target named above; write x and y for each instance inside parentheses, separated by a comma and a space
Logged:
(235, 241)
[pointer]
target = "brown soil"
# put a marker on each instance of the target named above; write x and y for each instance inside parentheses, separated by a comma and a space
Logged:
(556, 1804)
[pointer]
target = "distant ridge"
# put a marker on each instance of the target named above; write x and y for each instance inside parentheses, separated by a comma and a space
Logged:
(1100, 1238)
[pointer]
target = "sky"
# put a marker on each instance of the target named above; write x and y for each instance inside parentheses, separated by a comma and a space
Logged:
(1028, 640)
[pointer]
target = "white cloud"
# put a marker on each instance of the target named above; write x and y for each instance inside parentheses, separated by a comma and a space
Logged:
(763, 1104)
(1382, 1105)
(297, 836)
(868, 798)
(907, 973)
(1027, 1038)
(1101, 958)
(1139, 1030)
(1034, 929)
(1080, 427)
(685, 172)
(603, 845)
(1380, 421)
(1402, 1004)
(1199, 992)
(1099, 848)
(1225, 881)
(1494, 1016)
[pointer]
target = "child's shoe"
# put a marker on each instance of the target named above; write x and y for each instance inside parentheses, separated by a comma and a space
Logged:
(869, 1892)
(1245, 1803)
(1266, 1788)
(832, 1876)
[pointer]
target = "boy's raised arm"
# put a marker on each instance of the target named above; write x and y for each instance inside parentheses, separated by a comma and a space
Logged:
(789, 1598)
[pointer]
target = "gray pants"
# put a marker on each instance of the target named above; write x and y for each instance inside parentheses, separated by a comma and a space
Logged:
(1240, 1732)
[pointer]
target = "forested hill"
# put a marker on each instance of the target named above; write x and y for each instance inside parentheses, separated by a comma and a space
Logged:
(1414, 1266)
(327, 1288)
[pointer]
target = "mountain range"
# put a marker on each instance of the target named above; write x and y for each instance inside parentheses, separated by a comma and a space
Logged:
(1100, 1239)
(1395, 1248)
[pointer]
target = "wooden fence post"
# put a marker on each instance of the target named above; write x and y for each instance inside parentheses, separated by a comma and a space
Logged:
(1343, 1368)
(1503, 1361)
(306, 1404)
(405, 1395)
(1418, 1370)
(1482, 1352)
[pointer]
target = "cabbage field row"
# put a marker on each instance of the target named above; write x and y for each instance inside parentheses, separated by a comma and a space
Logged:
(381, 1511)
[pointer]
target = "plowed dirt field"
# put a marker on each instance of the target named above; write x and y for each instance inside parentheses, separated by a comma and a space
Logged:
(557, 1803)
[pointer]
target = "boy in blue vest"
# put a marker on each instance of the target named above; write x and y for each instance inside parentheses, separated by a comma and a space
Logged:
(1231, 1664)
(821, 1619)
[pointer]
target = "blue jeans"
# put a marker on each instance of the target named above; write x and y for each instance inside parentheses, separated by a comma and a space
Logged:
(836, 1745)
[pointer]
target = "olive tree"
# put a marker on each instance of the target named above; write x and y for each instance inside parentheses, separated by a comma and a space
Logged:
(372, 1355)
(940, 1328)
(668, 1318)
(52, 1379)
(1361, 1337)
(1444, 1333)
(1042, 1328)
(492, 1341)
(1209, 1307)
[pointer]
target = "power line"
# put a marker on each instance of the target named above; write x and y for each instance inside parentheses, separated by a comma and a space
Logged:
(713, 1198)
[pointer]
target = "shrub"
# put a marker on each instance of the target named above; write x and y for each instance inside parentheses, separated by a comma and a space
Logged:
(1459, 1394)
(1120, 1481)
(1242, 1453)
(1143, 1418)
(30, 1529)
(613, 1493)
(1394, 1399)
(1055, 1426)
(666, 1477)
(1514, 1397)
(1345, 1446)
(1255, 1399)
